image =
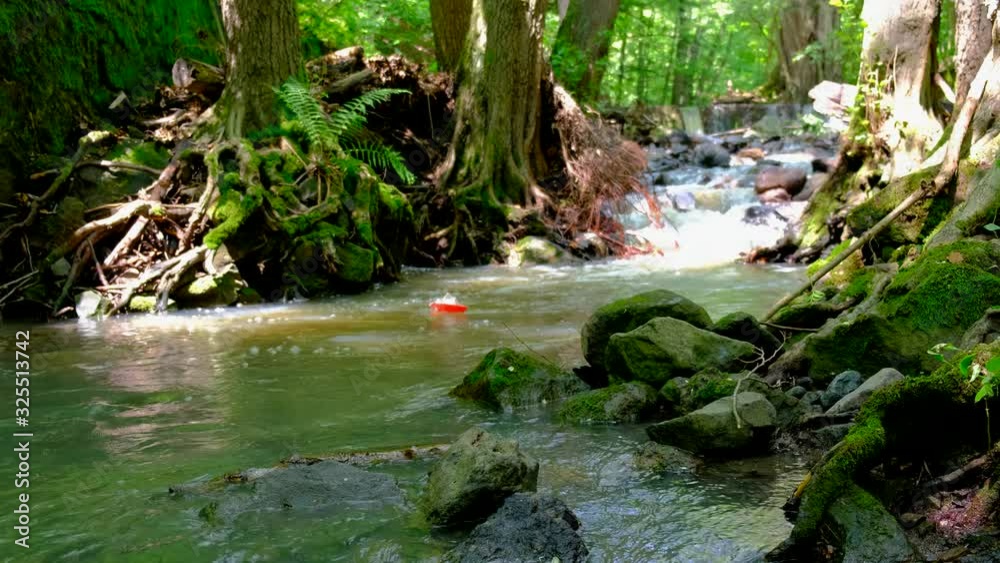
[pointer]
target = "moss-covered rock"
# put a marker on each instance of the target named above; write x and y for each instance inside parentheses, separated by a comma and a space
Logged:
(868, 531)
(714, 429)
(147, 304)
(534, 250)
(624, 403)
(665, 348)
(631, 313)
(509, 379)
(219, 290)
(918, 221)
(659, 458)
(746, 328)
(981, 208)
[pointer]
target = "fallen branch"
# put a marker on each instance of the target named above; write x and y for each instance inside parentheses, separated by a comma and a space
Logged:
(36, 205)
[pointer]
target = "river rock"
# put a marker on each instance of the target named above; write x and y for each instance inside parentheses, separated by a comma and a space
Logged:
(684, 201)
(869, 532)
(984, 331)
(713, 429)
(840, 387)
(630, 313)
(746, 328)
(853, 400)
(665, 348)
(829, 436)
(534, 250)
(506, 379)
(774, 196)
(218, 290)
(710, 155)
(660, 458)
(472, 480)
(527, 529)
(326, 489)
(797, 392)
(812, 185)
(627, 402)
(91, 305)
(789, 179)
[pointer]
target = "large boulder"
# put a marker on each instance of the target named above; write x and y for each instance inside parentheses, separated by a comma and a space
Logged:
(630, 313)
(623, 403)
(527, 529)
(711, 155)
(665, 348)
(534, 250)
(746, 328)
(472, 480)
(869, 532)
(714, 429)
(853, 400)
(791, 180)
(508, 379)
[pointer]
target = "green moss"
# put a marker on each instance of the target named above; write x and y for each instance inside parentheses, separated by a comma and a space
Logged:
(915, 223)
(626, 403)
(355, 264)
(140, 152)
(859, 285)
(507, 378)
(705, 387)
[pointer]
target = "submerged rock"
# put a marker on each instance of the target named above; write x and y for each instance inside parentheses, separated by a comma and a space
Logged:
(713, 429)
(624, 403)
(869, 532)
(527, 529)
(852, 401)
(660, 458)
(630, 313)
(508, 379)
(472, 480)
(665, 348)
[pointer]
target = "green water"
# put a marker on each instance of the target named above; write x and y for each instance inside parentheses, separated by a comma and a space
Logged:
(123, 409)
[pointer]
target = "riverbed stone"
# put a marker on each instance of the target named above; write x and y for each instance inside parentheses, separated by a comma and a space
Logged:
(632, 312)
(474, 477)
(711, 155)
(534, 250)
(853, 400)
(660, 458)
(507, 379)
(526, 529)
(869, 532)
(790, 179)
(211, 290)
(746, 328)
(840, 387)
(623, 403)
(713, 429)
(91, 305)
(665, 348)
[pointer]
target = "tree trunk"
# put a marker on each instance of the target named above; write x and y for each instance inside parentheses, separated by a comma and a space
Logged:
(450, 20)
(495, 149)
(973, 39)
(805, 59)
(582, 44)
(262, 52)
(682, 57)
(986, 124)
(899, 45)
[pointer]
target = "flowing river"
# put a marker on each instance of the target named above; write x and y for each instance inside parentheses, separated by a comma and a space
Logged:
(122, 410)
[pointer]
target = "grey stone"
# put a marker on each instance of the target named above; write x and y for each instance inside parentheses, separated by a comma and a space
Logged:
(91, 305)
(853, 400)
(509, 379)
(840, 387)
(869, 532)
(797, 392)
(624, 403)
(714, 430)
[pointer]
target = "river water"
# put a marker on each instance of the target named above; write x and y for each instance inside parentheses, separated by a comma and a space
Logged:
(123, 409)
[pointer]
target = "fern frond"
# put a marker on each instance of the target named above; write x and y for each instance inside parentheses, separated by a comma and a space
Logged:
(353, 115)
(306, 109)
(378, 155)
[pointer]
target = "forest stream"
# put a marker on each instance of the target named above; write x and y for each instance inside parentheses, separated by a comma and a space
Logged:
(136, 404)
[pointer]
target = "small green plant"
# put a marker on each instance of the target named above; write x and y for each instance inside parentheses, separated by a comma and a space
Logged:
(342, 134)
(988, 374)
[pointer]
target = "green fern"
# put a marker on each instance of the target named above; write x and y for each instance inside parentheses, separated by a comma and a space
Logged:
(344, 129)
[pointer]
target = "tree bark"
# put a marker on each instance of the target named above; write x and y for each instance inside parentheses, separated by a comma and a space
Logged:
(986, 123)
(262, 52)
(579, 56)
(805, 58)
(973, 39)
(680, 89)
(495, 150)
(899, 45)
(450, 20)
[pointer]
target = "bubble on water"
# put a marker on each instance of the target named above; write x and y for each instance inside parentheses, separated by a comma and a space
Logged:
(319, 350)
(254, 350)
(295, 349)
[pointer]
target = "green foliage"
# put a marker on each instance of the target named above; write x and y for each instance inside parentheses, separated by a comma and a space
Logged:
(384, 27)
(340, 132)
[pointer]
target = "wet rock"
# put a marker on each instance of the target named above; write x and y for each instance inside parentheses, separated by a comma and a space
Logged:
(774, 196)
(527, 529)
(746, 328)
(797, 392)
(710, 155)
(753, 153)
(91, 305)
(985, 331)
(684, 201)
(326, 489)
(789, 179)
(630, 313)
(147, 304)
(853, 400)
(506, 378)
(762, 215)
(534, 250)
(812, 398)
(592, 245)
(219, 290)
(472, 480)
(624, 403)
(869, 532)
(659, 458)
(829, 436)
(665, 348)
(713, 429)
(840, 387)
(812, 184)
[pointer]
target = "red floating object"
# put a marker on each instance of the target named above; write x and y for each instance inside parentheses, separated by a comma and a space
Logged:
(439, 307)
